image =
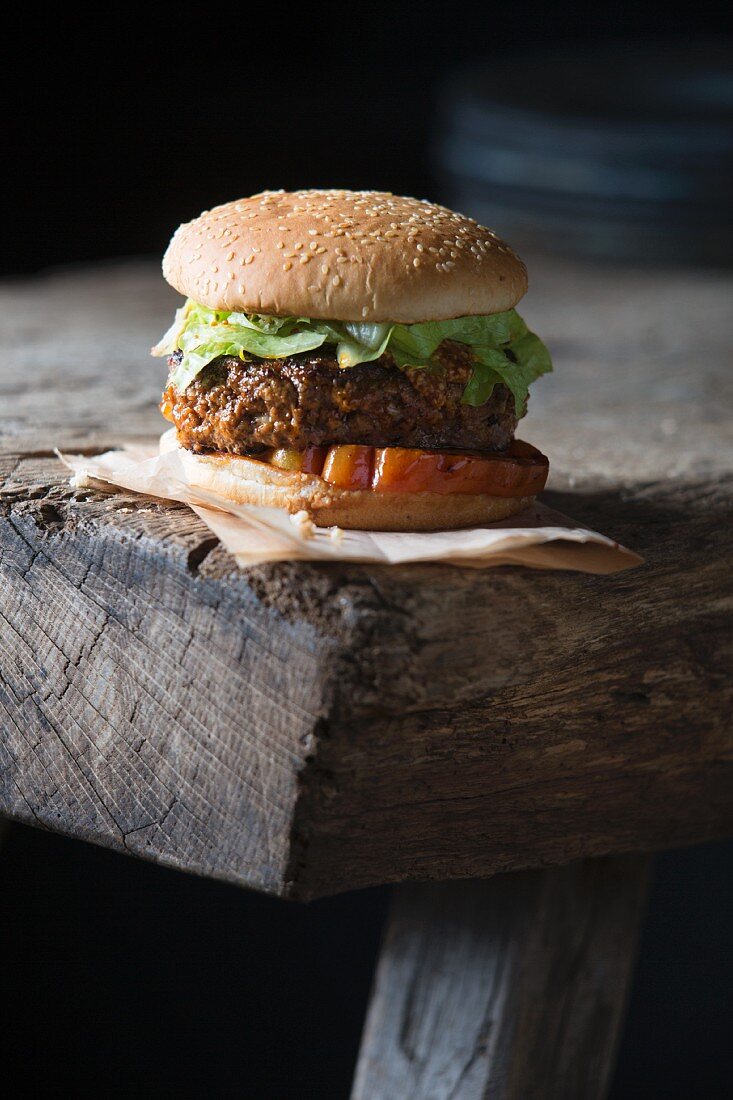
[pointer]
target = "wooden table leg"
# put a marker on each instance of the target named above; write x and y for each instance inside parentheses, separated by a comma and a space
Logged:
(509, 988)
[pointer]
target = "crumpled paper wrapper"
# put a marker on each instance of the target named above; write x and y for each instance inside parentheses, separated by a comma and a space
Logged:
(539, 537)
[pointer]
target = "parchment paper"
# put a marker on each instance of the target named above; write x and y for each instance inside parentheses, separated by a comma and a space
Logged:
(539, 537)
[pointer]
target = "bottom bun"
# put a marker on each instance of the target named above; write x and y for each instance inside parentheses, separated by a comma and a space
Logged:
(249, 481)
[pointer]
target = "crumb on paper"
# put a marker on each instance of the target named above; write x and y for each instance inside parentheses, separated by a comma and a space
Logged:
(303, 524)
(81, 480)
(336, 534)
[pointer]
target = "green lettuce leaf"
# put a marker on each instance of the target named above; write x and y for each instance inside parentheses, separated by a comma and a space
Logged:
(204, 334)
(488, 369)
(422, 340)
(490, 338)
(361, 343)
(503, 348)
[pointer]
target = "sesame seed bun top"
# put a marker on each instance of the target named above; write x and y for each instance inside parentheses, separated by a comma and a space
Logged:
(343, 255)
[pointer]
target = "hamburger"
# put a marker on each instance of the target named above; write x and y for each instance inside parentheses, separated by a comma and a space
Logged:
(352, 355)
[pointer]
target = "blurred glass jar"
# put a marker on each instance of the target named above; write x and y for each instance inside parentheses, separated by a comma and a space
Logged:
(624, 151)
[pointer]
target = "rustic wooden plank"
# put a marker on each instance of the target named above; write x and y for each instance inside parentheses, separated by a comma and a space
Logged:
(578, 716)
(512, 988)
(310, 728)
(149, 713)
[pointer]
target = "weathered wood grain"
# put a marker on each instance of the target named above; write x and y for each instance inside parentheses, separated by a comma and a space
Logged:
(310, 728)
(511, 988)
(149, 712)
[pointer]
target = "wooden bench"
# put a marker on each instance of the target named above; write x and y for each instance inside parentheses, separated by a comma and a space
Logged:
(305, 729)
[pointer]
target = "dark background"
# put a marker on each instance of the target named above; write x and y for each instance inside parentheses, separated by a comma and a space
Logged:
(124, 978)
(121, 124)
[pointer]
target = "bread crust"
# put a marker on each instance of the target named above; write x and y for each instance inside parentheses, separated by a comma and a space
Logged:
(343, 255)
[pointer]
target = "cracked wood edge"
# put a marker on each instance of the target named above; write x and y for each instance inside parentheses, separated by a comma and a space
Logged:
(512, 988)
(161, 718)
(416, 758)
(576, 715)
(153, 698)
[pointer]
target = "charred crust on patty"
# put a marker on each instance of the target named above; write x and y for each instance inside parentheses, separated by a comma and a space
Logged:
(243, 407)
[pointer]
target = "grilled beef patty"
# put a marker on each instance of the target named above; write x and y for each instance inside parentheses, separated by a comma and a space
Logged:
(243, 407)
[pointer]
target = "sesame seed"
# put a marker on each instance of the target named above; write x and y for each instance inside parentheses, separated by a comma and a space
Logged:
(287, 266)
(336, 281)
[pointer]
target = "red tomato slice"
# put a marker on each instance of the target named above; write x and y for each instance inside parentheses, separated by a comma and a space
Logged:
(349, 467)
(520, 471)
(313, 459)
